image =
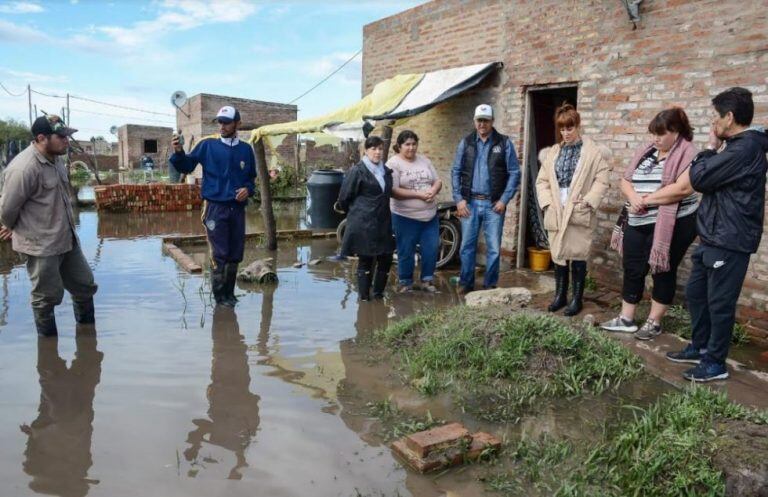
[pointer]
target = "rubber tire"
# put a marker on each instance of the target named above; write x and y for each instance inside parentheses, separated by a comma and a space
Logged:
(454, 230)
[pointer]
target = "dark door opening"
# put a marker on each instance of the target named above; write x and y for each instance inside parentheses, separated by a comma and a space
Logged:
(540, 133)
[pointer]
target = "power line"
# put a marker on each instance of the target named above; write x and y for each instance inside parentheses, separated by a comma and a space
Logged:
(11, 93)
(328, 77)
(86, 99)
(122, 115)
(47, 94)
(122, 106)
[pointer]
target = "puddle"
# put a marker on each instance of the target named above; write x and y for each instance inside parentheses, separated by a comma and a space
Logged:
(174, 399)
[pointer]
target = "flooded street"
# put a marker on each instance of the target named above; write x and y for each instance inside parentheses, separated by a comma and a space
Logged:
(174, 398)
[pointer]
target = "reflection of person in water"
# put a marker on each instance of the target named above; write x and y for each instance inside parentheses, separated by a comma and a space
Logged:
(233, 409)
(58, 454)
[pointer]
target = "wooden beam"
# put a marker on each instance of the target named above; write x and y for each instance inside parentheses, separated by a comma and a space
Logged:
(267, 214)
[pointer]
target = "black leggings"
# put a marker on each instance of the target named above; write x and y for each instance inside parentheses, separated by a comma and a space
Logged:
(637, 249)
(365, 263)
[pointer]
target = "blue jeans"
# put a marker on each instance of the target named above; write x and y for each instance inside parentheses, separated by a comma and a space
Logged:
(409, 233)
(481, 215)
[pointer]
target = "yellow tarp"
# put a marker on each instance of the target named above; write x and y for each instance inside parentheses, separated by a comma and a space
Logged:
(385, 96)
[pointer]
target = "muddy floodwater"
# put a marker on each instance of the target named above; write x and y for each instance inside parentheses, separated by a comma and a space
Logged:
(173, 398)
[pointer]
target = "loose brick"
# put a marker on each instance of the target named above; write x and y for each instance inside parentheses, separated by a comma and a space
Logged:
(425, 442)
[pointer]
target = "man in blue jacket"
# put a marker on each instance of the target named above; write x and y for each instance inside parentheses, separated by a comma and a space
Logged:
(729, 222)
(229, 171)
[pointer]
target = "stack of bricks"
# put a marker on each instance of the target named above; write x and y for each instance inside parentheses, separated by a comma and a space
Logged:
(156, 197)
(444, 446)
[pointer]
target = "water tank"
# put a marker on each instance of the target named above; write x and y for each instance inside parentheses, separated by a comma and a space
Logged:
(323, 187)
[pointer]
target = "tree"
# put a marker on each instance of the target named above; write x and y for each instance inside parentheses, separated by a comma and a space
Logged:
(11, 129)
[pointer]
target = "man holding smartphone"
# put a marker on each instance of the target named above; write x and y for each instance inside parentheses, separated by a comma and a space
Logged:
(229, 173)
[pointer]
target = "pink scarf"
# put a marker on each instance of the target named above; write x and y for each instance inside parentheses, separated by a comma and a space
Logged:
(680, 156)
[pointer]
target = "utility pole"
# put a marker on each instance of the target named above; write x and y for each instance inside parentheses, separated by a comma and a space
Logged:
(29, 100)
(68, 116)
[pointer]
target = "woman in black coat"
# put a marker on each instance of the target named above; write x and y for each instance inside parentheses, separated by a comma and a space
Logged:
(364, 197)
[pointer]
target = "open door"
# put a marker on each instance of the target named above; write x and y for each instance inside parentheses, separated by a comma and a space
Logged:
(539, 134)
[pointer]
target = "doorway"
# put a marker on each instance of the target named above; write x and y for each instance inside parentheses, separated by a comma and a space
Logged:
(539, 133)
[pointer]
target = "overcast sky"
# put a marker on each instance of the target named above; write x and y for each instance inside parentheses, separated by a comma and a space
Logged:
(136, 53)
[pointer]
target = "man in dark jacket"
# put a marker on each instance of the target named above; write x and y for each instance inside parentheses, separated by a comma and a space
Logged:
(229, 171)
(731, 176)
(484, 176)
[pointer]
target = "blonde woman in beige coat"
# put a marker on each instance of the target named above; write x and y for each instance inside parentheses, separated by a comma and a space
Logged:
(572, 180)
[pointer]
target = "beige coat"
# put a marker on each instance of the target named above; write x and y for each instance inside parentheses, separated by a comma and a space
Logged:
(571, 227)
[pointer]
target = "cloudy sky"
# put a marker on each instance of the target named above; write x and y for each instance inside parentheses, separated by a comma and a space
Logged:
(134, 54)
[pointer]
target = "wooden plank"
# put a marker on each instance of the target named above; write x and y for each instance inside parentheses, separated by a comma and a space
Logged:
(182, 259)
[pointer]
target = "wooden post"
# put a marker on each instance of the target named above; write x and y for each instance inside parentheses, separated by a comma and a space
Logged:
(266, 195)
(297, 161)
(386, 135)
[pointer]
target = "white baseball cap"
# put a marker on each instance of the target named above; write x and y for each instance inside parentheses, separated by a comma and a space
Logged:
(483, 111)
(227, 114)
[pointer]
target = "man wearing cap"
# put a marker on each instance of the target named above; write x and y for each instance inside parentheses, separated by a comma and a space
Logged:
(35, 212)
(485, 176)
(229, 171)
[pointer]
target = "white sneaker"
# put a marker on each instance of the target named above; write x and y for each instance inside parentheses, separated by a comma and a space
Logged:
(619, 324)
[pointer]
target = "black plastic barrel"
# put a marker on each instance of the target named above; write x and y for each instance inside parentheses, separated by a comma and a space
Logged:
(324, 186)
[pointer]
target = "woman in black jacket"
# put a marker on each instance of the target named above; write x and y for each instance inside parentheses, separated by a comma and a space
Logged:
(364, 197)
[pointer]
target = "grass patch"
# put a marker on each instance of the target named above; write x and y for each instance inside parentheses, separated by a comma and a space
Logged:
(396, 424)
(505, 362)
(590, 283)
(668, 449)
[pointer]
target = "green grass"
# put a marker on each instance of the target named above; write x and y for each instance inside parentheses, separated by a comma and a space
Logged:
(665, 450)
(395, 423)
(504, 362)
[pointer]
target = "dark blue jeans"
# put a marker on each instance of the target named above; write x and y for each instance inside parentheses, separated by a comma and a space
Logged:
(409, 233)
(712, 291)
(481, 215)
(225, 227)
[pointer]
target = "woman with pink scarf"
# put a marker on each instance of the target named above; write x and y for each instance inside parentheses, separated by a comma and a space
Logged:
(658, 222)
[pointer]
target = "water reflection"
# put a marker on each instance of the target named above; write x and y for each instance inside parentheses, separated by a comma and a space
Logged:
(233, 413)
(128, 225)
(58, 453)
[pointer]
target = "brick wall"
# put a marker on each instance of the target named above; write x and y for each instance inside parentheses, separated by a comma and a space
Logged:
(682, 53)
(130, 139)
(342, 156)
(154, 197)
(104, 162)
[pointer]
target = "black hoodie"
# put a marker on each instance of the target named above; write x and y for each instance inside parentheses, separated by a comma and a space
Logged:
(733, 186)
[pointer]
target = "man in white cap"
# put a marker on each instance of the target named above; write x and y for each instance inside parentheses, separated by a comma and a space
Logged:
(485, 176)
(229, 171)
(36, 213)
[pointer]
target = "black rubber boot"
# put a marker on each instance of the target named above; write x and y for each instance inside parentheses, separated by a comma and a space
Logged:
(364, 285)
(380, 283)
(45, 322)
(561, 288)
(578, 275)
(230, 281)
(218, 286)
(84, 311)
